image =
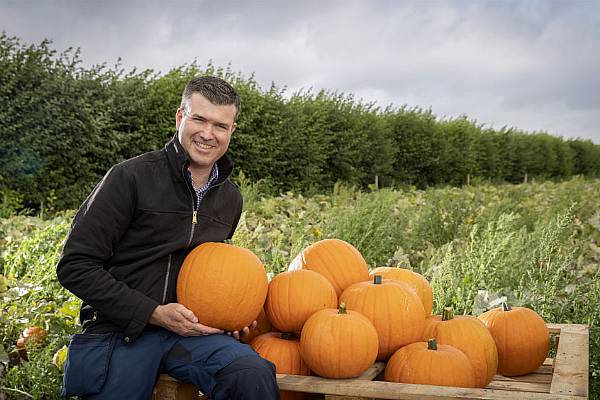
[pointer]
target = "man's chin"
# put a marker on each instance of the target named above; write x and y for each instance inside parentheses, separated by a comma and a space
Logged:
(202, 162)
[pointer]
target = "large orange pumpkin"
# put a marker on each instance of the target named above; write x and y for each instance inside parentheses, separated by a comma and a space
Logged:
(414, 279)
(294, 296)
(521, 336)
(224, 285)
(394, 309)
(469, 335)
(283, 351)
(428, 363)
(336, 260)
(338, 343)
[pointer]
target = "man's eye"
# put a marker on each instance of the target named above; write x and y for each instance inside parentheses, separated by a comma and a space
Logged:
(221, 127)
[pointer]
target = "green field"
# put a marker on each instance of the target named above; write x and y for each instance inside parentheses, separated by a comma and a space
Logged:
(536, 244)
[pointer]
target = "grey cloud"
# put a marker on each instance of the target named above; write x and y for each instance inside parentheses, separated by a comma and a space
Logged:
(516, 63)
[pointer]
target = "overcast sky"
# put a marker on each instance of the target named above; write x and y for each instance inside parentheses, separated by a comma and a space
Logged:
(534, 65)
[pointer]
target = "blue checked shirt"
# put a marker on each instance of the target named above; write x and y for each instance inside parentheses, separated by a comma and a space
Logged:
(200, 192)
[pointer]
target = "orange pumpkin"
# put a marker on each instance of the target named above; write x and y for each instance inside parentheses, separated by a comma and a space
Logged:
(336, 260)
(224, 285)
(469, 335)
(338, 343)
(262, 326)
(33, 334)
(415, 364)
(521, 336)
(283, 351)
(294, 296)
(414, 279)
(394, 309)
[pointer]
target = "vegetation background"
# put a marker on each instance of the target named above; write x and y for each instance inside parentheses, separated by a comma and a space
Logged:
(482, 213)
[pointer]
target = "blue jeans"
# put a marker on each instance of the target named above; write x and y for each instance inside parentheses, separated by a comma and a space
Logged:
(104, 366)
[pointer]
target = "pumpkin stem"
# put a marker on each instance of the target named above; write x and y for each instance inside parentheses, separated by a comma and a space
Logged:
(342, 308)
(506, 307)
(447, 314)
(286, 335)
(432, 344)
(377, 279)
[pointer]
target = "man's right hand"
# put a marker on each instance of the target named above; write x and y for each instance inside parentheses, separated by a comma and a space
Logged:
(177, 318)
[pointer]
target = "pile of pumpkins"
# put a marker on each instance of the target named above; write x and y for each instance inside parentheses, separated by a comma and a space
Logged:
(328, 315)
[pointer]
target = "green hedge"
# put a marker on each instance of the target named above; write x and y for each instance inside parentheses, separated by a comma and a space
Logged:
(63, 125)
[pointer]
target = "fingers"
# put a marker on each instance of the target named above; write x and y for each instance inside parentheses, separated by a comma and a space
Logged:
(187, 314)
(200, 330)
(245, 331)
(207, 330)
(179, 319)
(235, 334)
(203, 330)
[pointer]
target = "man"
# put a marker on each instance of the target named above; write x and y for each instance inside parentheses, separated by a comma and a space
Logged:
(123, 254)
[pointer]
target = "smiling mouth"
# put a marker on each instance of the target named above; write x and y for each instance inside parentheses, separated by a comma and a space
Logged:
(201, 145)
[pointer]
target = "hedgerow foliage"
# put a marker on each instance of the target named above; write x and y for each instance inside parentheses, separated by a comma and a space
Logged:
(62, 126)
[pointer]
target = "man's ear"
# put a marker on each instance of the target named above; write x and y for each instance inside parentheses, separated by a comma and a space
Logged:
(233, 128)
(178, 118)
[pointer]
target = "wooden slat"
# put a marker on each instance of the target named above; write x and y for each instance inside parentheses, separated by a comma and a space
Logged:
(372, 372)
(520, 386)
(334, 397)
(555, 329)
(533, 377)
(368, 375)
(391, 390)
(544, 369)
(570, 375)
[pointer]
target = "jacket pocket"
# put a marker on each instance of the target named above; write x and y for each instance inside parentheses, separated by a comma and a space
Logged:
(87, 363)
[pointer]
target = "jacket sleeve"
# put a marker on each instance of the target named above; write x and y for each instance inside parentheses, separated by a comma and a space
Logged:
(98, 226)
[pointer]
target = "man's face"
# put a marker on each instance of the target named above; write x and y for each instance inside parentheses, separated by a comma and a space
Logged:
(205, 130)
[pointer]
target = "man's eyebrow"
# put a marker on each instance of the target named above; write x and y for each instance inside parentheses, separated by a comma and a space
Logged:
(194, 115)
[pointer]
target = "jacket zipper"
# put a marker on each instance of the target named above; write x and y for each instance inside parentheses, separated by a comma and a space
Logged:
(164, 297)
(195, 208)
(194, 220)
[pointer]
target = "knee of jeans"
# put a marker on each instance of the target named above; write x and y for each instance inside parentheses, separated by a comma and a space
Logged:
(251, 376)
(248, 365)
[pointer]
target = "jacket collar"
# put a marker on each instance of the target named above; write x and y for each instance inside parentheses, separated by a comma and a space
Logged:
(179, 161)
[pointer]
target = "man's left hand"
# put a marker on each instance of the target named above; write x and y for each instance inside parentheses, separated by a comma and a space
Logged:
(244, 332)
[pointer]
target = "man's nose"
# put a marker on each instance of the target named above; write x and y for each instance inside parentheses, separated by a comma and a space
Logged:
(207, 130)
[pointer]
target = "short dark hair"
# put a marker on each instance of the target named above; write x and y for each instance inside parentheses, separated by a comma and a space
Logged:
(216, 90)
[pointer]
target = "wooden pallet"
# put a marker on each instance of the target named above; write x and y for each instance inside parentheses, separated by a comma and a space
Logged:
(564, 377)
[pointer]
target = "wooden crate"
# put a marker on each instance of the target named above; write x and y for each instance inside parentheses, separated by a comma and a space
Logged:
(563, 377)
(169, 388)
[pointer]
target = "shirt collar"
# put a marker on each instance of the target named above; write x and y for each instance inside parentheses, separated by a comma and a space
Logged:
(212, 179)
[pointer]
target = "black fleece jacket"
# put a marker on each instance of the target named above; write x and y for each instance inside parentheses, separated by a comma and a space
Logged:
(129, 238)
